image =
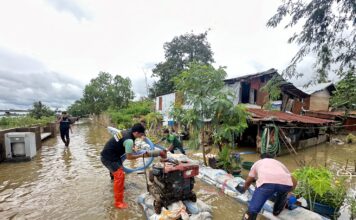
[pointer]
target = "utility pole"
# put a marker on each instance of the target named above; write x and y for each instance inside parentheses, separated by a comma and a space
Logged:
(144, 71)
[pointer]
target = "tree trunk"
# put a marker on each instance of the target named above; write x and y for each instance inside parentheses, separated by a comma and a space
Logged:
(202, 142)
(220, 146)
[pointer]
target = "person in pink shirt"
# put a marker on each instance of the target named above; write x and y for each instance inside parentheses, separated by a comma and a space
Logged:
(272, 177)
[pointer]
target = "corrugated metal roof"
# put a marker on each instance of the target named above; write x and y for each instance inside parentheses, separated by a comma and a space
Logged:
(330, 115)
(315, 88)
(265, 115)
(291, 89)
(250, 76)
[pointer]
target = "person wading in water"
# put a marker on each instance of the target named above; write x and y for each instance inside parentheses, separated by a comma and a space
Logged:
(64, 127)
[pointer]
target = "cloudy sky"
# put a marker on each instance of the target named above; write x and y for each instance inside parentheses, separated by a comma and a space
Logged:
(50, 49)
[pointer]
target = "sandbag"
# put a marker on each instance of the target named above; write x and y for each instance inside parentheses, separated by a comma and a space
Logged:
(227, 184)
(197, 210)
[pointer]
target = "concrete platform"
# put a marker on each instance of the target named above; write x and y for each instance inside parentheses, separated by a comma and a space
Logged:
(45, 135)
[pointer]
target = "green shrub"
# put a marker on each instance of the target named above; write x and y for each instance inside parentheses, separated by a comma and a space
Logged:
(124, 118)
(350, 139)
(25, 121)
(321, 186)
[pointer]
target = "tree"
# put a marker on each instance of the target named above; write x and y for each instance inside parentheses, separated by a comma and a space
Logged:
(96, 94)
(40, 110)
(105, 91)
(328, 32)
(345, 94)
(203, 90)
(273, 90)
(78, 108)
(178, 54)
(121, 92)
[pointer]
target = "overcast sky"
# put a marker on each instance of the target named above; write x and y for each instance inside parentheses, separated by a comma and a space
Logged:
(50, 49)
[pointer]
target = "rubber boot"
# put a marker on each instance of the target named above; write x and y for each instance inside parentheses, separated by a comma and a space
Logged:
(119, 182)
(280, 203)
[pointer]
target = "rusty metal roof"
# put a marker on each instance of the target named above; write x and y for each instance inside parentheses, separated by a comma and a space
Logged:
(265, 115)
(330, 115)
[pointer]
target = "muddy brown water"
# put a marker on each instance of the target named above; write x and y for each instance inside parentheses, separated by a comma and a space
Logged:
(71, 183)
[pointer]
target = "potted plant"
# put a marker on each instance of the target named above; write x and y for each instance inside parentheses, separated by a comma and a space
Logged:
(227, 162)
(323, 191)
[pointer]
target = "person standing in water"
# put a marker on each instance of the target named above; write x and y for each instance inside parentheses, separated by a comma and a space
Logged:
(64, 127)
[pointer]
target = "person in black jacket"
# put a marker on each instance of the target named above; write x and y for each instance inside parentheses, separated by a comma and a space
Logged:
(64, 127)
(111, 155)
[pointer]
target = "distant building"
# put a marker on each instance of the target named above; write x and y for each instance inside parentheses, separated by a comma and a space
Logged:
(165, 104)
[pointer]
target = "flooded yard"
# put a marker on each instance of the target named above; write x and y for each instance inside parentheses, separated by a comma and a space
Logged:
(71, 183)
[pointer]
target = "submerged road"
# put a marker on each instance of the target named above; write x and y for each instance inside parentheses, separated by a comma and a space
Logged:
(71, 183)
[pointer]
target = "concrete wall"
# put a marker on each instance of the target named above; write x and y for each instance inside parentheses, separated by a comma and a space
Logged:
(36, 130)
(2, 142)
(167, 104)
(51, 127)
(311, 141)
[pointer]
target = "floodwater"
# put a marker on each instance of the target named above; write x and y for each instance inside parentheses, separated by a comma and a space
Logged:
(71, 183)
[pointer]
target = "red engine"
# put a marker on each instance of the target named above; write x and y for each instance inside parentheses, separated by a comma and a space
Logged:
(172, 182)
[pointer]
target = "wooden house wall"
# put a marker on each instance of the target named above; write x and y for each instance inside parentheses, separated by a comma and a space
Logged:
(319, 101)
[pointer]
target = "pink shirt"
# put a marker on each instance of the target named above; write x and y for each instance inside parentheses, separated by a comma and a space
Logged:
(270, 171)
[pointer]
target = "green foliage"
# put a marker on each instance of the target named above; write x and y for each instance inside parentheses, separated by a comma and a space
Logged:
(345, 94)
(351, 200)
(328, 31)
(201, 86)
(124, 118)
(25, 121)
(225, 160)
(78, 108)
(203, 89)
(153, 119)
(350, 138)
(320, 185)
(179, 53)
(273, 90)
(102, 93)
(229, 122)
(40, 110)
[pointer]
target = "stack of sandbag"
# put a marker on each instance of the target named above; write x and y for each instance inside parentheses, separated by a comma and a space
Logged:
(227, 184)
(182, 209)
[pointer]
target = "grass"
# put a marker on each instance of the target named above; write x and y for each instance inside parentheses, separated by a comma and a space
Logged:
(24, 121)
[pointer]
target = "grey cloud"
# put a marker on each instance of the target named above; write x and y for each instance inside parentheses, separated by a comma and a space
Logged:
(24, 80)
(149, 65)
(139, 85)
(10, 61)
(257, 66)
(20, 90)
(72, 7)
